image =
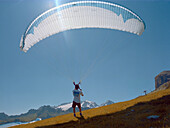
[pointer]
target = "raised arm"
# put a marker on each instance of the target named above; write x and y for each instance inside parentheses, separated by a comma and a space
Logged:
(74, 83)
(79, 82)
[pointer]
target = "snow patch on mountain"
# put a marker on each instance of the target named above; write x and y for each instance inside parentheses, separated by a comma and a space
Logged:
(88, 104)
(108, 102)
(64, 107)
(84, 104)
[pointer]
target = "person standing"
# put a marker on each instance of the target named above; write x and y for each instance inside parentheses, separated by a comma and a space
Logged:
(77, 92)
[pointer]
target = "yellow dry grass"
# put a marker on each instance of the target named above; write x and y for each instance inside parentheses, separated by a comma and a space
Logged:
(97, 111)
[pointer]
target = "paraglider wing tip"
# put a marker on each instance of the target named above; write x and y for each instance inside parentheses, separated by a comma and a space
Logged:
(21, 48)
(139, 34)
(21, 43)
(24, 51)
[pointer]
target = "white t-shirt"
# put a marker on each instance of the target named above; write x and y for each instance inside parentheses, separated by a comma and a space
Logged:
(76, 94)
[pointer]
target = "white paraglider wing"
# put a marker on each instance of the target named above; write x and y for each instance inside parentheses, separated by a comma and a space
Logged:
(77, 15)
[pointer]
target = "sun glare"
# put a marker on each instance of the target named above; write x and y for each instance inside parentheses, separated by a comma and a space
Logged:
(56, 2)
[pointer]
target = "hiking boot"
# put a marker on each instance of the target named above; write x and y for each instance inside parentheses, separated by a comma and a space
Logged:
(81, 114)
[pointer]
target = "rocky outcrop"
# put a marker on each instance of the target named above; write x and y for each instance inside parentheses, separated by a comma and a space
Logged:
(162, 80)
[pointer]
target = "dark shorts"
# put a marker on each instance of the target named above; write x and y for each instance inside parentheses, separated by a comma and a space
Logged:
(76, 104)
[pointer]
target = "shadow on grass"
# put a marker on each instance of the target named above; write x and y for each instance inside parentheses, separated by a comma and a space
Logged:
(132, 117)
(80, 118)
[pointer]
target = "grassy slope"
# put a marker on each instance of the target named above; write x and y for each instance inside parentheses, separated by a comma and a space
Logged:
(115, 115)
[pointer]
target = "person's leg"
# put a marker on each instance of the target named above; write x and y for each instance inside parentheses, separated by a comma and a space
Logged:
(74, 110)
(80, 109)
(74, 107)
(79, 106)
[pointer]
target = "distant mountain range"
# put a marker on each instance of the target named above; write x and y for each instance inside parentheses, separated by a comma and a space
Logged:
(84, 105)
(48, 111)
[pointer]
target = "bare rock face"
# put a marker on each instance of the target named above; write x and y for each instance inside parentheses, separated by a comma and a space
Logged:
(162, 79)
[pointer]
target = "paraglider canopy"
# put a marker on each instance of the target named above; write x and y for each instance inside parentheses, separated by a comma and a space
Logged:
(82, 14)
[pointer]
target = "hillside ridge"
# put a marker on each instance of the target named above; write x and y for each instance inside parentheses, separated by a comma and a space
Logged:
(89, 114)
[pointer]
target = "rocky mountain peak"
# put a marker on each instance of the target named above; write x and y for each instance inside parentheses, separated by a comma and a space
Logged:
(162, 78)
(108, 102)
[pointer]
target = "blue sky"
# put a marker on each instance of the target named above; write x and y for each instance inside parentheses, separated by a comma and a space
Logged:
(121, 65)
